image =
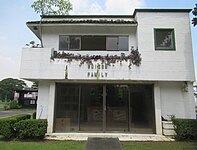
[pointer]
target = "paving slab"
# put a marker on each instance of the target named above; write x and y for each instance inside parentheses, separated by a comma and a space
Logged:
(120, 136)
(103, 144)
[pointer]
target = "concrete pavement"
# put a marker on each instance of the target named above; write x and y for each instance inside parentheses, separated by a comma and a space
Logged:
(7, 113)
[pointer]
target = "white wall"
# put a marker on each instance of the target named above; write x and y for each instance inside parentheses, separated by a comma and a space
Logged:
(36, 64)
(51, 34)
(176, 101)
(155, 66)
(172, 65)
(43, 100)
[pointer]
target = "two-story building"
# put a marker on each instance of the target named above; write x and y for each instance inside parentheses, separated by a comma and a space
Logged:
(112, 73)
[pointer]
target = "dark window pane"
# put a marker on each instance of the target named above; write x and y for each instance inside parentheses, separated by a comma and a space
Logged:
(112, 43)
(164, 39)
(123, 43)
(93, 43)
(75, 42)
(67, 107)
(91, 109)
(63, 42)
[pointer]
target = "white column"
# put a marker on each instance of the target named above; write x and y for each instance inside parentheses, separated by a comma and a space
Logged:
(157, 99)
(189, 102)
(51, 107)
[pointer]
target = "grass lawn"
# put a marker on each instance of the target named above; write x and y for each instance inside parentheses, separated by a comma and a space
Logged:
(159, 145)
(1, 102)
(74, 145)
(44, 145)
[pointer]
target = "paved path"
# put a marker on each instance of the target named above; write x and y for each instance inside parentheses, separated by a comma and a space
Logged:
(12, 112)
(103, 144)
(120, 136)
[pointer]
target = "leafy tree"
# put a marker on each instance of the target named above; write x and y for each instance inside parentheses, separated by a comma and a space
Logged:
(194, 21)
(7, 87)
(52, 7)
(34, 85)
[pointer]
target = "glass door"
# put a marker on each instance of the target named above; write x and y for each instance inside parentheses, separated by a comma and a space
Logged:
(67, 104)
(91, 108)
(117, 99)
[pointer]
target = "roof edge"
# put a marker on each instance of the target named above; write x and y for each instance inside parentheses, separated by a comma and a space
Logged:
(86, 16)
(161, 10)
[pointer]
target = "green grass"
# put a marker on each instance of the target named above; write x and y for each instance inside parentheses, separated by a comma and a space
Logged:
(159, 145)
(43, 145)
(1, 102)
(75, 145)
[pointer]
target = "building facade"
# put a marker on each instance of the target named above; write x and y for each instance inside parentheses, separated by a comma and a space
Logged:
(112, 73)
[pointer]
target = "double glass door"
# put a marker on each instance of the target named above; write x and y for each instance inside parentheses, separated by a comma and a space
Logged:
(103, 108)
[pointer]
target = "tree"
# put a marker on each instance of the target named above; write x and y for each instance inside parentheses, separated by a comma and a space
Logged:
(52, 7)
(194, 21)
(7, 87)
(34, 85)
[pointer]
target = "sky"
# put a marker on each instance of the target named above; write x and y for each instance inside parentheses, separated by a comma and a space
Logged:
(14, 14)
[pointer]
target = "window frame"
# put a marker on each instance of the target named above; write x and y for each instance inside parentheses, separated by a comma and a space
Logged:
(69, 49)
(173, 39)
(106, 40)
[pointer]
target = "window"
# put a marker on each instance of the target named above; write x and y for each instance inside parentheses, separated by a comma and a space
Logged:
(123, 44)
(120, 43)
(63, 42)
(164, 39)
(89, 42)
(112, 43)
(69, 42)
(93, 43)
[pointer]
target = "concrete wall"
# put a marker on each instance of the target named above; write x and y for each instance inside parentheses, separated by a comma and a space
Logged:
(177, 99)
(51, 34)
(43, 100)
(172, 65)
(175, 65)
(35, 64)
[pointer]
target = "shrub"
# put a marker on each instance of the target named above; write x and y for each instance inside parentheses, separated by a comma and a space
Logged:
(34, 115)
(12, 104)
(186, 129)
(31, 128)
(7, 125)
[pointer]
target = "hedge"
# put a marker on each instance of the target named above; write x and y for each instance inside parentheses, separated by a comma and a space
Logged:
(34, 115)
(186, 129)
(7, 129)
(31, 128)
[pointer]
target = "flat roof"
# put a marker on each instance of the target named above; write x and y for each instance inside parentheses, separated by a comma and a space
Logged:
(161, 10)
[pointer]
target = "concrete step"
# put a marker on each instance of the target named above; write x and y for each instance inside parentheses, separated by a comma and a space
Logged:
(103, 144)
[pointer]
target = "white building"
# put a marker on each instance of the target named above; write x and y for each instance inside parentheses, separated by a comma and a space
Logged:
(92, 79)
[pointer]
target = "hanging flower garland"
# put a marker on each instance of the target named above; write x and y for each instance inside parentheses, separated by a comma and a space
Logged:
(134, 58)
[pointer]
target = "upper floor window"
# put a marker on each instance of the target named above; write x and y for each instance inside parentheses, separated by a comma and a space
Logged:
(164, 39)
(89, 42)
(69, 42)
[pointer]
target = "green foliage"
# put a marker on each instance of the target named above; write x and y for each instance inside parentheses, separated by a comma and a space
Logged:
(52, 7)
(34, 115)
(7, 125)
(186, 129)
(194, 21)
(7, 87)
(34, 85)
(31, 128)
(11, 104)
